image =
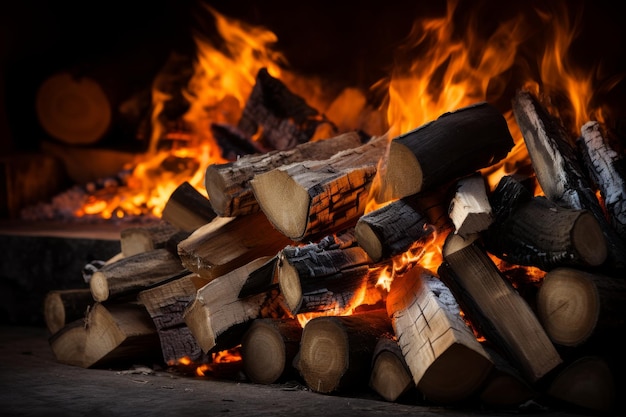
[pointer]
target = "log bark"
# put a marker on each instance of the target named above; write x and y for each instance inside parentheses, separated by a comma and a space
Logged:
(470, 210)
(533, 231)
(61, 307)
(575, 305)
(390, 377)
(439, 151)
(315, 197)
(446, 361)
(336, 351)
(132, 274)
(495, 308)
(187, 209)
(228, 185)
(135, 240)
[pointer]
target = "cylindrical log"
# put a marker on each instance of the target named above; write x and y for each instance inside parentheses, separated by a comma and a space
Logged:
(65, 306)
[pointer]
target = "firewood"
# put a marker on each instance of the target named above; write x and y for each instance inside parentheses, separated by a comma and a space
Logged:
(282, 118)
(134, 273)
(61, 307)
(313, 197)
(336, 351)
(134, 240)
(268, 349)
(187, 209)
(534, 231)
(558, 170)
(607, 169)
(392, 229)
(112, 335)
(446, 361)
(217, 317)
(438, 152)
(228, 243)
(575, 305)
(233, 143)
(495, 308)
(588, 384)
(228, 185)
(390, 377)
(166, 304)
(470, 210)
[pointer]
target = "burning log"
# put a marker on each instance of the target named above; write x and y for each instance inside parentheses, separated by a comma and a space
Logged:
(533, 231)
(187, 209)
(336, 351)
(607, 169)
(574, 305)
(311, 197)
(228, 243)
(109, 335)
(228, 185)
(268, 349)
(132, 274)
(495, 308)
(135, 240)
(437, 152)
(558, 171)
(391, 377)
(61, 307)
(470, 210)
(233, 143)
(166, 304)
(446, 361)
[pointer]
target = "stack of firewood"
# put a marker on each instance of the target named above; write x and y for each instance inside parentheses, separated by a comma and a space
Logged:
(284, 235)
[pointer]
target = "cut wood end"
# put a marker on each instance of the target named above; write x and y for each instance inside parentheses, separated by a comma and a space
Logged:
(368, 240)
(99, 286)
(402, 175)
(263, 353)
(289, 283)
(589, 239)
(215, 187)
(390, 377)
(455, 242)
(54, 312)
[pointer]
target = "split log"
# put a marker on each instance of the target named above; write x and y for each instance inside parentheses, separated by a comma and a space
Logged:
(166, 304)
(446, 361)
(228, 185)
(217, 318)
(558, 170)
(470, 210)
(390, 377)
(533, 231)
(438, 152)
(607, 169)
(575, 305)
(495, 308)
(392, 229)
(116, 335)
(268, 349)
(228, 243)
(313, 197)
(132, 274)
(282, 118)
(187, 209)
(336, 351)
(61, 307)
(135, 240)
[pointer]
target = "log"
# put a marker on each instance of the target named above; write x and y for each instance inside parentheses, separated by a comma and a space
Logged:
(438, 152)
(187, 209)
(533, 231)
(228, 243)
(390, 377)
(233, 143)
(132, 274)
(336, 351)
(228, 185)
(314, 197)
(558, 170)
(115, 335)
(135, 240)
(496, 309)
(447, 363)
(268, 349)
(61, 307)
(575, 305)
(166, 304)
(470, 210)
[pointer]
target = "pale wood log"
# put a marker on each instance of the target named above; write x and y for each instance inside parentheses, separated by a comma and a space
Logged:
(132, 274)
(575, 305)
(558, 170)
(390, 377)
(187, 209)
(314, 197)
(470, 210)
(336, 351)
(607, 168)
(61, 307)
(454, 145)
(446, 361)
(135, 240)
(268, 349)
(495, 308)
(228, 185)
(228, 243)
(534, 231)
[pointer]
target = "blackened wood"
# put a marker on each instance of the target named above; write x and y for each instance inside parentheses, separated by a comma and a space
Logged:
(187, 208)
(232, 142)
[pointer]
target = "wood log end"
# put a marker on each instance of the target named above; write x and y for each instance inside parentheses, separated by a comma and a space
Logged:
(99, 286)
(402, 174)
(215, 186)
(289, 283)
(368, 240)
(589, 239)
